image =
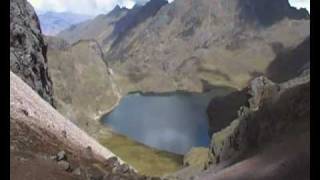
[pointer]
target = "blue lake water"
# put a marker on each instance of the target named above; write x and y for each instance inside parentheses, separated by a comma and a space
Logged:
(175, 122)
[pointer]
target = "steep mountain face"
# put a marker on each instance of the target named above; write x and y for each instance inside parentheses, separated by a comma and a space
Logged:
(28, 50)
(289, 62)
(83, 85)
(54, 22)
(134, 17)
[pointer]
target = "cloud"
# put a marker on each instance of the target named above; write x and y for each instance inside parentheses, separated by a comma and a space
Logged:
(300, 4)
(95, 7)
(91, 7)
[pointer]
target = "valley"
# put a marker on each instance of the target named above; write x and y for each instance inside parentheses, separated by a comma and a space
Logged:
(192, 89)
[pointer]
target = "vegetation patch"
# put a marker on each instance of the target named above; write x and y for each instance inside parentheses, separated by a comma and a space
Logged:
(146, 160)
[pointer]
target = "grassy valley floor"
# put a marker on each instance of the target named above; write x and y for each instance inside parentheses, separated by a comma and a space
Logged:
(148, 161)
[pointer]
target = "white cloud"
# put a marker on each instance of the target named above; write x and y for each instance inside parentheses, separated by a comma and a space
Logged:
(300, 4)
(94, 7)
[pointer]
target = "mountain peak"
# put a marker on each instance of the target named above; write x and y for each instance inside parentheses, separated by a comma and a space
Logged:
(267, 12)
(117, 10)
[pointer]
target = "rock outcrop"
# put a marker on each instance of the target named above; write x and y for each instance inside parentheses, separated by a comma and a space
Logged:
(223, 110)
(28, 49)
(275, 116)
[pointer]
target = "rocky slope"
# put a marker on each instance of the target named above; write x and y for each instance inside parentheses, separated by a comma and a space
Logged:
(37, 132)
(54, 22)
(55, 43)
(276, 122)
(27, 49)
(83, 86)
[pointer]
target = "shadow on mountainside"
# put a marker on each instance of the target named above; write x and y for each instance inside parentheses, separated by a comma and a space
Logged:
(259, 11)
(289, 62)
(223, 110)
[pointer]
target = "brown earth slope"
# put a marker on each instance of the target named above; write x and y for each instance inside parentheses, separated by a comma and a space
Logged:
(37, 132)
(84, 90)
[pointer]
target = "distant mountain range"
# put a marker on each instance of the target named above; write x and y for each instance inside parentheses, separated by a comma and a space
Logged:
(54, 22)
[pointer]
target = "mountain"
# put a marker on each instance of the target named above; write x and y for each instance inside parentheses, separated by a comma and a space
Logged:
(98, 28)
(261, 48)
(181, 45)
(28, 51)
(77, 71)
(54, 22)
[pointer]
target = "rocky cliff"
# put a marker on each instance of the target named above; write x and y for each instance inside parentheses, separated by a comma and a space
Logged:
(28, 50)
(275, 122)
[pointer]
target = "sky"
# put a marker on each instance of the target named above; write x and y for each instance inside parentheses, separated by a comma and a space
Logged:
(95, 7)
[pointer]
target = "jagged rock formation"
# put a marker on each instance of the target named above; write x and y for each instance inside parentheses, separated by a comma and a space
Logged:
(83, 85)
(28, 50)
(137, 15)
(276, 121)
(37, 131)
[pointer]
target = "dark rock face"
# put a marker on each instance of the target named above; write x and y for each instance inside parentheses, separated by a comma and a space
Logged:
(116, 11)
(260, 11)
(28, 50)
(223, 110)
(275, 112)
(136, 16)
(290, 62)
